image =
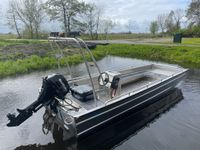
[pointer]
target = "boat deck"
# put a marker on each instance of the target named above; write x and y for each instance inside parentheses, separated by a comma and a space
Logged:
(131, 80)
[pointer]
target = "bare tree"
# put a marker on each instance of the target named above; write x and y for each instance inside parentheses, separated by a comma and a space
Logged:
(106, 26)
(173, 20)
(38, 17)
(92, 19)
(193, 12)
(30, 14)
(178, 14)
(161, 19)
(129, 25)
(169, 23)
(65, 11)
(12, 20)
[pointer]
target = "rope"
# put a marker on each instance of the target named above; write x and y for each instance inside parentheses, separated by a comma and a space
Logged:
(47, 122)
(61, 103)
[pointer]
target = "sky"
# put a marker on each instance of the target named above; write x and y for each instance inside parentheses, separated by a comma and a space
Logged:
(139, 12)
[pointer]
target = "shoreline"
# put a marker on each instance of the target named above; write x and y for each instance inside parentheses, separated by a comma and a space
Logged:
(188, 57)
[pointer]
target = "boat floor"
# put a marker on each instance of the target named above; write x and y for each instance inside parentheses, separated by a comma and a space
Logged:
(104, 94)
(137, 84)
(131, 80)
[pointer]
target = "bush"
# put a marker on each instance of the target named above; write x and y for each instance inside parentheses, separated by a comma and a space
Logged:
(191, 32)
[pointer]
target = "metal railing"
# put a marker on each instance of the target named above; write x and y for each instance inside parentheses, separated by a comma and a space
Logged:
(78, 42)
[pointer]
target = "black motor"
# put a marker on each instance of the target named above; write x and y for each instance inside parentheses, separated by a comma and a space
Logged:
(53, 86)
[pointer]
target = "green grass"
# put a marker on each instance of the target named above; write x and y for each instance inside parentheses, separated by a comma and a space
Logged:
(168, 40)
(6, 42)
(8, 36)
(193, 41)
(36, 63)
(182, 55)
(10, 39)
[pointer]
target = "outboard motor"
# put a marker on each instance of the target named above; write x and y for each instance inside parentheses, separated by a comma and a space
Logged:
(53, 86)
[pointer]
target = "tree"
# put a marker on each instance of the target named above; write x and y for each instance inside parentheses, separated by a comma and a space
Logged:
(129, 25)
(65, 11)
(173, 20)
(177, 14)
(169, 23)
(38, 16)
(28, 12)
(12, 19)
(193, 12)
(106, 25)
(92, 20)
(154, 27)
(161, 19)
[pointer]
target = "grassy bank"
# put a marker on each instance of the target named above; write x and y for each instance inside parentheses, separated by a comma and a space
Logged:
(36, 63)
(182, 55)
(25, 56)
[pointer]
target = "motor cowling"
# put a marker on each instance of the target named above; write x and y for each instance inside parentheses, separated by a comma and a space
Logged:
(56, 86)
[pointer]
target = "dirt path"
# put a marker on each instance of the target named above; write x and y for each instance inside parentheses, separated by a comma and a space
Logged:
(157, 41)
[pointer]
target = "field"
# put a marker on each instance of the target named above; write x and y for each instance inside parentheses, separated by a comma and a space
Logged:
(193, 41)
(25, 56)
(118, 36)
(167, 40)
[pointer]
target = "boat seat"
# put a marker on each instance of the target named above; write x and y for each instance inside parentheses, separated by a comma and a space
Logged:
(82, 92)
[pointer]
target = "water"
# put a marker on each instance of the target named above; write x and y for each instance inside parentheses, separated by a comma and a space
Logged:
(177, 128)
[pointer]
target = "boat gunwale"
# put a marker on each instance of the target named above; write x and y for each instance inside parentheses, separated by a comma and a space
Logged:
(132, 107)
(133, 92)
(181, 74)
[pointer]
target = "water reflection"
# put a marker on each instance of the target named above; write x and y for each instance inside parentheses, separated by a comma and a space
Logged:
(118, 131)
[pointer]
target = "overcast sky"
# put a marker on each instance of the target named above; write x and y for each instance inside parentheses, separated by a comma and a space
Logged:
(140, 12)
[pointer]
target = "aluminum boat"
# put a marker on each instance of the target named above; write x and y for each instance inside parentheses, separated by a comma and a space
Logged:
(83, 105)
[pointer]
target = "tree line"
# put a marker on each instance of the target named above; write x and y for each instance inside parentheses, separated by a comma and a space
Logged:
(27, 16)
(171, 23)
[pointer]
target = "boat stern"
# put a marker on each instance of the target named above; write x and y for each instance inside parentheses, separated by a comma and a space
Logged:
(62, 126)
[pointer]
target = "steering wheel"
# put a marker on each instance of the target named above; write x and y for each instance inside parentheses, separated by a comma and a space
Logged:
(103, 78)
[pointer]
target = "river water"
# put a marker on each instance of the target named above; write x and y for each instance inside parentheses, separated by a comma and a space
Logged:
(178, 128)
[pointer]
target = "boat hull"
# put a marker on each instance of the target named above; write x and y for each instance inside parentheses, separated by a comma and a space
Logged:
(129, 124)
(95, 120)
(98, 119)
